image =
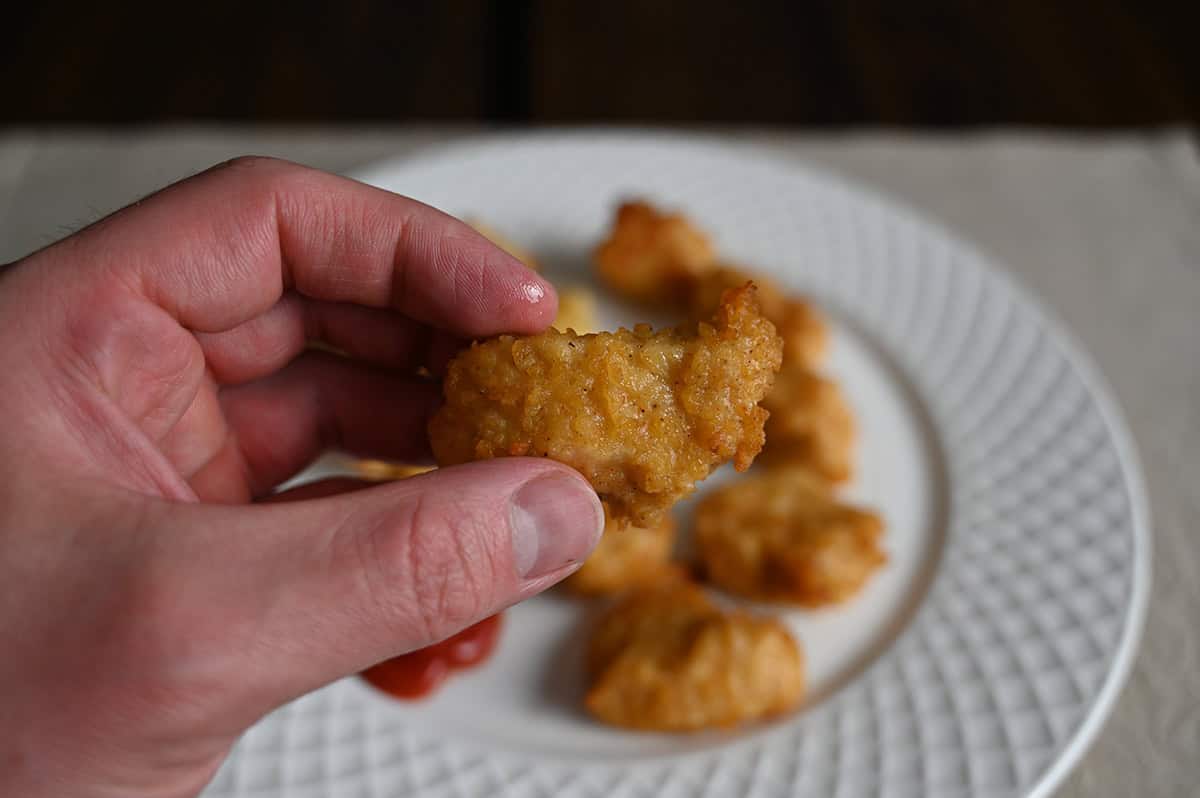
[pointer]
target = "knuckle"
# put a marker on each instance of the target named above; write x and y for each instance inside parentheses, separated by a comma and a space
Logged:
(259, 177)
(133, 352)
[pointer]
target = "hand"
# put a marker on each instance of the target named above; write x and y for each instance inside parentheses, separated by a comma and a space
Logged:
(156, 388)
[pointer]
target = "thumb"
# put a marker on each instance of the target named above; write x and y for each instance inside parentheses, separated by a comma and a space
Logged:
(327, 587)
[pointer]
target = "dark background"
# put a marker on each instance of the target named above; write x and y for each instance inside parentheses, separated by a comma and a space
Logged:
(903, 62)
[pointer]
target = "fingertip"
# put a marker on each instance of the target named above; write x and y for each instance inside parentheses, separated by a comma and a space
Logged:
(514, 298)
(556, 521)
(540, 300)
(533, 302)
(554, 514)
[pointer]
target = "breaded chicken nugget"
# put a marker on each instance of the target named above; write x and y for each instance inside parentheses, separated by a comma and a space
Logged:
(810, 424)
(626, 556)
(667, 659)
(804, 333)
(781, 535)
(576, 310)
(384, 471)
(653, 257)
(642, 415)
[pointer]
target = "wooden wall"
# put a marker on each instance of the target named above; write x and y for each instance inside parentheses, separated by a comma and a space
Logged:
(891, 62)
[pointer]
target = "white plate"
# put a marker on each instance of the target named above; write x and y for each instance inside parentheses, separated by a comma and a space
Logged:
(981, 661)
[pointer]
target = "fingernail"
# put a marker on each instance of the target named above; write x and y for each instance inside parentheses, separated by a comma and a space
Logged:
(556, 521)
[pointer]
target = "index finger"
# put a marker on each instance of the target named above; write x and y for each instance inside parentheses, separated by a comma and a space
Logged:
(220, 248)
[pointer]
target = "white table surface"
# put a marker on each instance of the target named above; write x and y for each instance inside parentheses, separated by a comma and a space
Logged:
(1105, 227)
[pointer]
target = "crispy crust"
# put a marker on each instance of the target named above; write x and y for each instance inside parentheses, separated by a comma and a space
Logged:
(781, 535)
(667, 659)
(643, 415)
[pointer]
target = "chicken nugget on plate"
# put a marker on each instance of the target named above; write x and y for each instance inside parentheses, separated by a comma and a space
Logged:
(811, 424)
(804, 333)
(668, 659)
(625, 557)
(576, 310)
(385, 471)
(651, 256)
(782, 535)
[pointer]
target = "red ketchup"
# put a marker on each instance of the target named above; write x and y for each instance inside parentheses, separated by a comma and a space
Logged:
(418, 673)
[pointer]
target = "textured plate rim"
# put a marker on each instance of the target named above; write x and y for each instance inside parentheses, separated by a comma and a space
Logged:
(715, 144)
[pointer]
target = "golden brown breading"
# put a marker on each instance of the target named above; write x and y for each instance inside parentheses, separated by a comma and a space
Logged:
(642, 415)
(660, 610)
(384, 471)
(626, 556)
(667, 659)
(804, 334)
(651, 256)
(576, 310)
(505, 243)
(781, 535)
(810, 424)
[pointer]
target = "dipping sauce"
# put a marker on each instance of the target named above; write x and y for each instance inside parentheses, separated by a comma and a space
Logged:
(418, 673)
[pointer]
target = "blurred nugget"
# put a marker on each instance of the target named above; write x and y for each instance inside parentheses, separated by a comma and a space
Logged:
(384, 471)
(626, 556)
(643, 415)
(667, 659)
(576, 310)
(804, 333)
(810, 424)
(653, 257)
(781, 535)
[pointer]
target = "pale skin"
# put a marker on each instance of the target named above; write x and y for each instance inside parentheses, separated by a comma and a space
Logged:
(155, 597)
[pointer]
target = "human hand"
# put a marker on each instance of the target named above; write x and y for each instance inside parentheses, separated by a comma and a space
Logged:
(157, 388)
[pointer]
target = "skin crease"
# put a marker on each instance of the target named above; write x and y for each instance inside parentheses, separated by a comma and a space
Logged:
(156, 387)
